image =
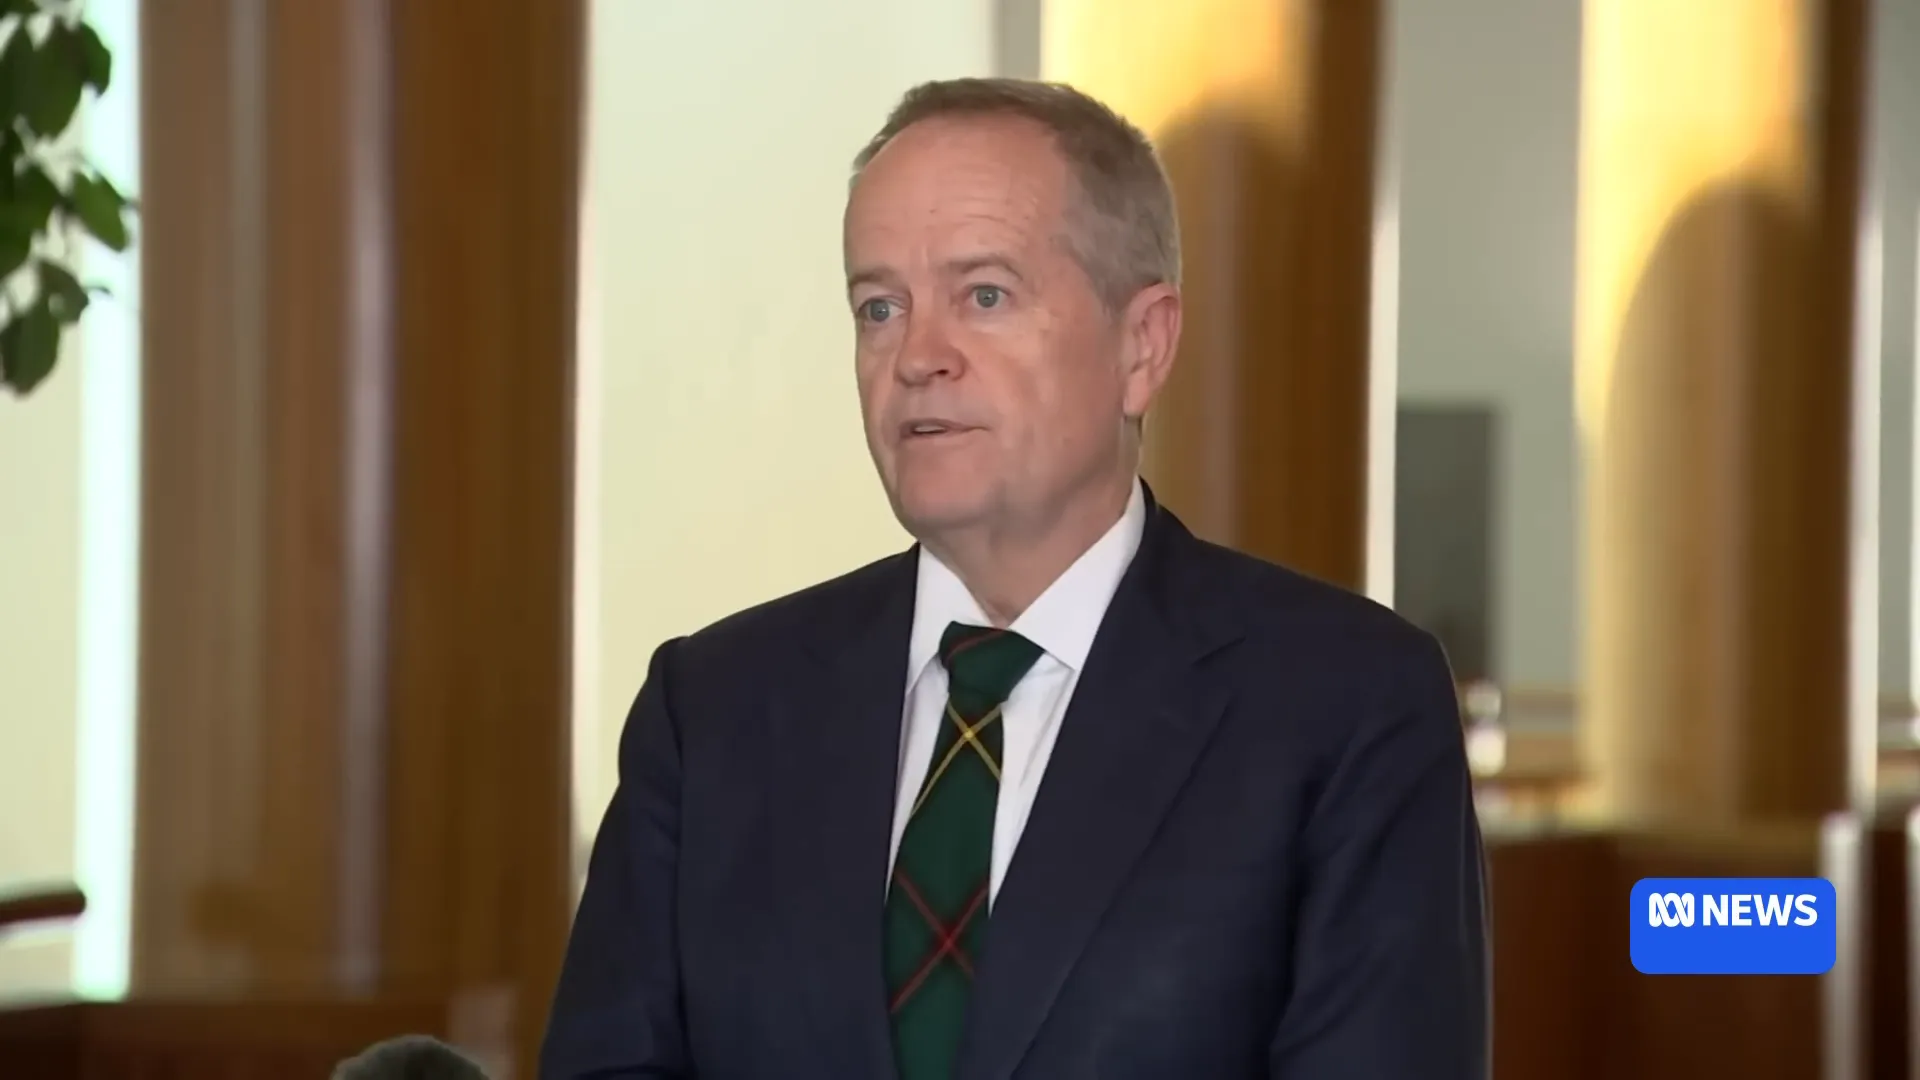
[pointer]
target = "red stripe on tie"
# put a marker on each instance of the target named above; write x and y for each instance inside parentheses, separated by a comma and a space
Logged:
(947, 945)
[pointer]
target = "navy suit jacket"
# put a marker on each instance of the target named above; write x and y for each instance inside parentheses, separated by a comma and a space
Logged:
(1253, 854)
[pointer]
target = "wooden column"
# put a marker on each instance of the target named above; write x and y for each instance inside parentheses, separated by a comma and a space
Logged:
(488, 121)
(1719, 177)
(1265, 114)
(252, 334)
(353, 749)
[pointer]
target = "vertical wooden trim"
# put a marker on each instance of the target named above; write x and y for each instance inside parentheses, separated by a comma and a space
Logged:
(1720, 195)
(192, 610)
(1852, 297)
(369, 360)
(359, 250)
(261, 561)
(246, 236)
(1326, 472)
(487, 135)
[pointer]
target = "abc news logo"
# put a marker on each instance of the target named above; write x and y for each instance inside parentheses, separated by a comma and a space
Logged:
(1734, 926)
(1733, 909)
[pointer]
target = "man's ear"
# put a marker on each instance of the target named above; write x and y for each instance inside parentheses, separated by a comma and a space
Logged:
(1151, 328)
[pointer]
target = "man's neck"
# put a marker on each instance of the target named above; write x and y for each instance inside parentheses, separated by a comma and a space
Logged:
(1007, 570)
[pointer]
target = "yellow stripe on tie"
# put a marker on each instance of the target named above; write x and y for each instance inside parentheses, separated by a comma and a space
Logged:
(969, 736)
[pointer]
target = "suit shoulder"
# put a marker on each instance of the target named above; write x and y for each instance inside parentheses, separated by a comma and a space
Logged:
(1281, 604)
(1347, 659)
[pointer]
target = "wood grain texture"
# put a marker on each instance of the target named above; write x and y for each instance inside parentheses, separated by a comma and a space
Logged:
(1265, 114)
(1545, 993)
(488, 127)
(353, 759)
(242, 643)
(226, 1039)
(1720, 174)
(1889, 941)
(1568, 1004)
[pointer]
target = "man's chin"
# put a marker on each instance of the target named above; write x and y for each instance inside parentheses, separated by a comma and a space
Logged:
(924, 513)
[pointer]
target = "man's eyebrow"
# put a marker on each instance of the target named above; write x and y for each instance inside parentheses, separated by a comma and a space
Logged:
(956, 267)
(867, 275)
(970, 264)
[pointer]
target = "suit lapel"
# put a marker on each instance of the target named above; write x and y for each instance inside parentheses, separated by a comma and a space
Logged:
(1138, 720)
(835, 767)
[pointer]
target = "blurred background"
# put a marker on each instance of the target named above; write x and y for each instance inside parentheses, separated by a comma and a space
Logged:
(457, 352)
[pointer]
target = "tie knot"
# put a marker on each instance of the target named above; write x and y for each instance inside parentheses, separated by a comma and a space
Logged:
(985, 662)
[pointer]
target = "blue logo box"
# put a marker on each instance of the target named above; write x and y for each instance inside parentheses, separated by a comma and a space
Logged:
(1733, 926)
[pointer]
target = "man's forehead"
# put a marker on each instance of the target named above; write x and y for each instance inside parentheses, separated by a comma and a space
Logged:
(960, 164)
(1003, 133)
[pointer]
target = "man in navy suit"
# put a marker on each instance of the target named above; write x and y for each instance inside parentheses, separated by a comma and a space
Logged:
(1061, 792)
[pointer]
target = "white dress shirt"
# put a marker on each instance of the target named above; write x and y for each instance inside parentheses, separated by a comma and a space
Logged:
(1063, 622)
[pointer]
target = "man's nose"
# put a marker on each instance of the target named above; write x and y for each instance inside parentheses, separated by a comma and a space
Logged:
(928, 352)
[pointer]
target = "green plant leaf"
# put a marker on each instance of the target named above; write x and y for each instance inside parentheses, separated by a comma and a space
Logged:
(14, 249)
(96, 66)
(59, 68)
(63, 294)
(13, 147)
(19, 82)
(19, 7)
(37, 195)
(28, 203)
(98, 207)
(28, 348)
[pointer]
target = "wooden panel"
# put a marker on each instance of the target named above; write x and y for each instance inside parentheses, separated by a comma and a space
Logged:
(359, 256)
(1889, 945)
(1720, 146)
(1544, 894)
(195, 648)
(168, 1040)
(242, 647)
(487, 127)
(1265, 115)
(1663, 1027)
(1568, 1004)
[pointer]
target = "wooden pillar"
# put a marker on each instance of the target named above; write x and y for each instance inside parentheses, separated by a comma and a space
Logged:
(358, 234)
(1264, 112)
(251, 331)
(1719, 177)
(488, 122)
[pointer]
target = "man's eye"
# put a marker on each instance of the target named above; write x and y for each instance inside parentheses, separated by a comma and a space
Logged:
(876, 310)
(988, 296)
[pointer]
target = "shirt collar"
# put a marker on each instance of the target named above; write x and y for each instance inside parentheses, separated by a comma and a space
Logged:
(1065, 618)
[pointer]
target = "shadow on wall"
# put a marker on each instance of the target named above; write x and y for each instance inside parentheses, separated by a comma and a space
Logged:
(1259, 440)
(1724, 455)
(1724, 431)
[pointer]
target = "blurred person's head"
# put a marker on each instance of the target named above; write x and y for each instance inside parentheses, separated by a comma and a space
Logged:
(1013, 265)
(409, 1057)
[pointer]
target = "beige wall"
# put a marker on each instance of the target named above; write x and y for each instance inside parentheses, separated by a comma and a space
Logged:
(721, 457)
(39, 658)
(69, 550)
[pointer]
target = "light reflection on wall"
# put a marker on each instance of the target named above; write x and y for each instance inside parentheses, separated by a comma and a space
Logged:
(109, 538)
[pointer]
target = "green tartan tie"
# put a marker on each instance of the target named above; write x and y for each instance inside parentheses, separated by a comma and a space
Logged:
(937, 903)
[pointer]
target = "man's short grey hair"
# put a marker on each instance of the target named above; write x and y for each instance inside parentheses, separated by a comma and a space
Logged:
(409, 1057)
(1121, 228)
